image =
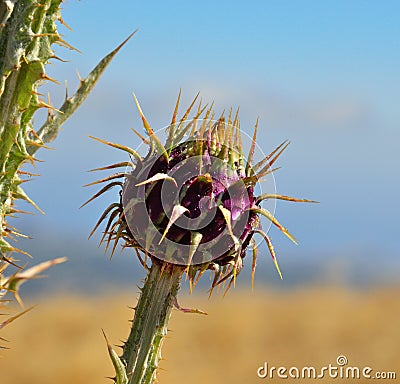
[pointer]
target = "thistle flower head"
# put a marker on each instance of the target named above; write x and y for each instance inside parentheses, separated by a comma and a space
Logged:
(191, 201)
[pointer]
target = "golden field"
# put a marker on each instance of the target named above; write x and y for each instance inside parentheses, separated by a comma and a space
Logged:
(60, 341)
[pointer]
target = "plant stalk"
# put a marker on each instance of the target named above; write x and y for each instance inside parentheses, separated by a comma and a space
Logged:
(142, 350)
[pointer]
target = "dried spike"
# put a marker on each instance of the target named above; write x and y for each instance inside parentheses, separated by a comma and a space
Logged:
(199, 112)
(106, 230)
(262, 162)
(20, 194)
(202, 130)
(227, 217)
(141, 137)
(271, 250)
(150, 131)
(108, 178)
(186, 114)
(266, 196)
(236, 125)
(203, 268)
(104, 189)
(229, 285)
(15, 317)
(66, 90)
(252, 148)
(194, 244)
(63, 43)
(37, 137)
(103, 216)
(217, 274)
(119, 146)
(8, 232)
(174, 115)
(142, 261)
(192, 274)
(27, 173)
(10, 261)
(35, 144)
(274, 221)
(81, 80)
(266, 172)
(226, 275)
(172, 127)
(117, 236)
(112, 166)
(45, 34)
(177, 212)
(43, 104)
(44, 76)
(50, 111)
(178, 137)
(237, 267)
(125, 41)
(272, 161)
(253, 264)
(186, 310)
(230, 116)
(58, 58)
(14, 210)
(60, 19)
(157, 177)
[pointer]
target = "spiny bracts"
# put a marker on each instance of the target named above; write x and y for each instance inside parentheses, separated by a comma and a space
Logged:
(191, 202)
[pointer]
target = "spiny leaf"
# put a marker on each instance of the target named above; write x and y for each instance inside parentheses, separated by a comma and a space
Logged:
(49, 130)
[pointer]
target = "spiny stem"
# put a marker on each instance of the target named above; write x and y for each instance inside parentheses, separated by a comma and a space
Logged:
(142, 350)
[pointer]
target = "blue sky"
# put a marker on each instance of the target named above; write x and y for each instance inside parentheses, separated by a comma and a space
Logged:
(325, 75)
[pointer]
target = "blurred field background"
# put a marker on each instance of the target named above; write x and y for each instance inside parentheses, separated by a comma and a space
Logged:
(61, 340)
(325, 75)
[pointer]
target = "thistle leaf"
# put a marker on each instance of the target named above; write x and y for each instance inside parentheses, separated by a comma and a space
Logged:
(120, 372)
(49, 130)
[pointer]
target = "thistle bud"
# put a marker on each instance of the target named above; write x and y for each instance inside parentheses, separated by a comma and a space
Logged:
(190, 202)
(188, 205)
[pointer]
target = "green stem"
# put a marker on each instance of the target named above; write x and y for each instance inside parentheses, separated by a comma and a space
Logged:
(142, 350)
